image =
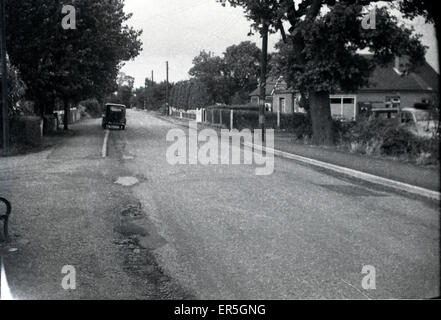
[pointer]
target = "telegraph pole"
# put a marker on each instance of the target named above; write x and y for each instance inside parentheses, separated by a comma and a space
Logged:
(145, 93)
(5, 117)
(166, 91)
(263, 73)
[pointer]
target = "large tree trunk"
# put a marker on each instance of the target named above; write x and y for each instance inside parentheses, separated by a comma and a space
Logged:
(66, 114)
(322, 126)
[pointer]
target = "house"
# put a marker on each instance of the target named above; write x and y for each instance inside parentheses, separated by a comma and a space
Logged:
(389, 87)
(278, 97)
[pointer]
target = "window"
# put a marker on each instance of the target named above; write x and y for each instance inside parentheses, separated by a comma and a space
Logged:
(116, 109)
(393, 101)
(282, 105)
(406, 117)
(348, 101)
(343, 106)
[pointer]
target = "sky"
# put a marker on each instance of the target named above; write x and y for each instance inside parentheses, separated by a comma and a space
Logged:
(177, 30)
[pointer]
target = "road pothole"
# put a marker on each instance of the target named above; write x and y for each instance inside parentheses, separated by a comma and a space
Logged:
(127, 181)
(138, 239)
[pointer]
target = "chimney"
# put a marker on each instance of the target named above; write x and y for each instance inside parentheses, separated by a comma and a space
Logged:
(402, 65)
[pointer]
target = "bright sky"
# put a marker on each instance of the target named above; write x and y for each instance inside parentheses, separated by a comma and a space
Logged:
(177, 30)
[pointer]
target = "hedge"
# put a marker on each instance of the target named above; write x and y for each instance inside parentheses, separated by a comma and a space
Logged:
(26, 131)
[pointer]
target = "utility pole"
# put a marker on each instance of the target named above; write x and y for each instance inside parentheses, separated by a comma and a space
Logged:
(263, 73)
(5, 117)
(151, 90)
(166, 91)
(145, 93)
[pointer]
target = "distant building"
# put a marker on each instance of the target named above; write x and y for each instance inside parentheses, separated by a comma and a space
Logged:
(278, 97)
(389, 87)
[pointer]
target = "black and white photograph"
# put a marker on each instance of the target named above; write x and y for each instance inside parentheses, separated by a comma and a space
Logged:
(238, 151)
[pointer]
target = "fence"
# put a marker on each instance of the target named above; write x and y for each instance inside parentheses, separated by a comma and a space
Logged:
(247, 118)
(74, 116)
(187, 114)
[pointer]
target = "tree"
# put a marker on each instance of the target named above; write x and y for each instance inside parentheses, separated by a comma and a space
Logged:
(232, 75)
(265, 15)
(125, 89)
(16, 88)
(213, 73)
(242, 64)
(321, 51)
(70, 65)
(189, 94)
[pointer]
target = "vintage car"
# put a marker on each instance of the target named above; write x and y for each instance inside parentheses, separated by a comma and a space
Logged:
(420, 122)
(114, 115)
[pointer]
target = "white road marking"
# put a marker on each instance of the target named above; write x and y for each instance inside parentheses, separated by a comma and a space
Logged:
(5, 291)
(354, 173)
(104, 149)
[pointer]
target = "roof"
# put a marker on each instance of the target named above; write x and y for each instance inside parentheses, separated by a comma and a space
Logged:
(270, 85)
(423, 78)
(115, 105)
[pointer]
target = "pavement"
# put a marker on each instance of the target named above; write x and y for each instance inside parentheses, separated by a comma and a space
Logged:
(205, 232)
(421, 176)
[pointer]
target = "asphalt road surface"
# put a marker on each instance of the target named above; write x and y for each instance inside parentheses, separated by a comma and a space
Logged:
(205, 231)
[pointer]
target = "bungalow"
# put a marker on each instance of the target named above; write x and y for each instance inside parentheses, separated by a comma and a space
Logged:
(389, 86)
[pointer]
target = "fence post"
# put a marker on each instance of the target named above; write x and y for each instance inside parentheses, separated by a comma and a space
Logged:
(220, 117)
(278, 117)
(231, 119)
(212, 115)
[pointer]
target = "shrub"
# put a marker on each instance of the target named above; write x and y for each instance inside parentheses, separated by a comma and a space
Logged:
(26, 131)
(93, 108)
(386, 137)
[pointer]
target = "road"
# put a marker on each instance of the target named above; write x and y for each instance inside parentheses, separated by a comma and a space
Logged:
(205, 232)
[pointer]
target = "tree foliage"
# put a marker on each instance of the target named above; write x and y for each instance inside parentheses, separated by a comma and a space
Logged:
(321, 52)
(189, 94)
(232, 75)
(70, 65)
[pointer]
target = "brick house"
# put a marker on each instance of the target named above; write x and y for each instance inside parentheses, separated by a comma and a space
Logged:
(388, 86)
(278, 97)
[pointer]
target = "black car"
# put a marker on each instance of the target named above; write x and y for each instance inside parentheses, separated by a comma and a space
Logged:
(114, 115)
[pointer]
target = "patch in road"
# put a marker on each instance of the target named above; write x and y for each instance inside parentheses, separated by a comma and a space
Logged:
(139, 239)
(127, 181)
(128, 157)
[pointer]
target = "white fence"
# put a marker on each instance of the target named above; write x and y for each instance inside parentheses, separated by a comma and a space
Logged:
(201, 115)
(187, 114)
(74, 116)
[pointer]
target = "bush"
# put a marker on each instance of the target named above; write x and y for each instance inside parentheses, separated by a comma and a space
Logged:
(93, 108)
(26, 131)
(386, 137)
